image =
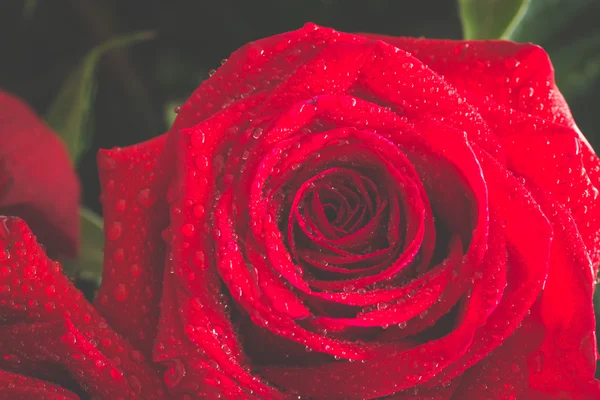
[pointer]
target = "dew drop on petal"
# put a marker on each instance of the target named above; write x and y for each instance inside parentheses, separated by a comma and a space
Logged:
(198, 138)
(187, 229)
(121, 292)
(115, 230)
(121, 205)
(135, 270)
(175, 374)
(145, 197)
(116, 374)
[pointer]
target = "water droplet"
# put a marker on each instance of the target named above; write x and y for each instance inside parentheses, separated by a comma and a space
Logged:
(199, 258)
(135, 270)
(198, 211)
(257, 132)
(175, 374)
(145, 197)
(119, 255)
(187, 230)
(116, 374)
(177, 109)
(115, 230)
(121, 205)
(212, 72)
(402, 325)
(69, 338)
(198, 138)
(201, 162)
(121, 292)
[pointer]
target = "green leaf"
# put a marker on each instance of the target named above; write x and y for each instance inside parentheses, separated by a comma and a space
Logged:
(29, 7)
(544, 18)
(577, 67)
(71, 112)
(88, 265)
(518, 20)
(491, 19)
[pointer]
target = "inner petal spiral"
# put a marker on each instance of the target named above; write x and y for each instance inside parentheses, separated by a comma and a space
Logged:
(353, 234)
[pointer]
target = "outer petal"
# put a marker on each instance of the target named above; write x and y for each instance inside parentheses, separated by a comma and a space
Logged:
(46, 321)
(19, 387)
(518, 77)
(503, 374)
(567, 356)
(37, 181)
(553, 354)
(135, 214)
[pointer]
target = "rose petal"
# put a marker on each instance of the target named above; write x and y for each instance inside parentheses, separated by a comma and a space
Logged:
(37, 297)
(61, 343)
(566, 310)
(513, 75)
(37, 180)
(502, 374)
(190, 270)
(19, 387)
(134, 217)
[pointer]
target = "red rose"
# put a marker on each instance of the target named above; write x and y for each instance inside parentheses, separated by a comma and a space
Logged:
(337, 216)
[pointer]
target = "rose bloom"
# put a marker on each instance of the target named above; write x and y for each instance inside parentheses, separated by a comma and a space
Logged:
(332, 216)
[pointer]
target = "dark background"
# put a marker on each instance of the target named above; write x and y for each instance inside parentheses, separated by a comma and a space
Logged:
(40, 46)
(41, 41)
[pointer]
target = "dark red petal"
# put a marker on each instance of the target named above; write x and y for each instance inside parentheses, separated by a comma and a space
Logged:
(518, 76)
(181, 344)
(135, 214)
(502, 71)
(502, 374)
(457, 191)
(36, 295)
(523, 272)
(566, 311)
(61, 343)
(559, 167)
(421, 93)
(19, 387)
(37, 180)
(191, 275)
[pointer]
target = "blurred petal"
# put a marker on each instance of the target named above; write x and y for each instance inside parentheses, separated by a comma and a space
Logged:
(37, 180)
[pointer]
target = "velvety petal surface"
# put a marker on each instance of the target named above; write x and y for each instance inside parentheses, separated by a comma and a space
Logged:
(46, 322)
(135, 215)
